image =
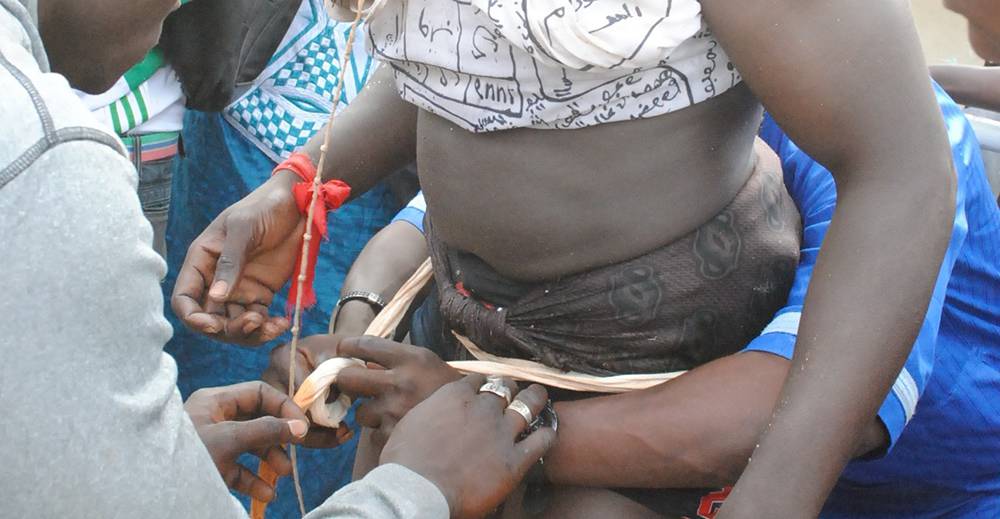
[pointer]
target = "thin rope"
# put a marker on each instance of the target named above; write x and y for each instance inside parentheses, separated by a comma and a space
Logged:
(307, 238)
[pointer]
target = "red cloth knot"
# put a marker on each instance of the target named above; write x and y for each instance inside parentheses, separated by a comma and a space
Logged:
(332, 194)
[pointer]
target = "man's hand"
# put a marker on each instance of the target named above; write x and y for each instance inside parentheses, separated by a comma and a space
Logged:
(464, 442)
(312, 352)
(250, 417)
(411, 374)
(234, 268)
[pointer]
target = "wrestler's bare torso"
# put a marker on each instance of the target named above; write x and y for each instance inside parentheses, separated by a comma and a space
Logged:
(538, 204)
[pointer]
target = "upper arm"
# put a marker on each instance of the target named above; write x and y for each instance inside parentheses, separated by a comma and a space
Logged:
(845, 78)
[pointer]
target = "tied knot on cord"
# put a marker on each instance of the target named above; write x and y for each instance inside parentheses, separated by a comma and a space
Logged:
(332, 195)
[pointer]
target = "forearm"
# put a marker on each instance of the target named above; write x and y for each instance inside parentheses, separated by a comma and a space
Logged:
(972, 86)
(695, 431)
(371, 138)
(386, 262)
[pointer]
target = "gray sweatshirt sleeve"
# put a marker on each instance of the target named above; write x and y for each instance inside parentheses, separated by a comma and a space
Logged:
(388, 492)
(90, 411)
(90, 416)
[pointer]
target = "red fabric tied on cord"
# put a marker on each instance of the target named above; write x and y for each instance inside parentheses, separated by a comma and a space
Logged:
(332, 195)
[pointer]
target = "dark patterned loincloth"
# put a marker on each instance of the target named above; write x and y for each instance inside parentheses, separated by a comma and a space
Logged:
(699, 298)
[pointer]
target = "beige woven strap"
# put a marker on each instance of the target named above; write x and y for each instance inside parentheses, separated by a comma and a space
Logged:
(530, 371)
(315, 389)
(313, 393)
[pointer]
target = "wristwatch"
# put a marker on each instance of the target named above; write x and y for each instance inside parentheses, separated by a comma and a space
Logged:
(373, 299)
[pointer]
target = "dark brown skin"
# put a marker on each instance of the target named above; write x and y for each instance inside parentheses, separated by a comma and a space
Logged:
(717, 134)
(716, 413)
(462, 441)
(695, 431)
(700, 449)
(396, 380)
(372, 137)
(261, 225)
(625, 189)
(580, 502)
(249, 417)
(972, 86)
(458, 424)
(386, 262)
(127, 30)
(312, 352)
(984, 25)
(254, 417)
(234, 268)
(888, 149)
(847, 81)
(411, 374)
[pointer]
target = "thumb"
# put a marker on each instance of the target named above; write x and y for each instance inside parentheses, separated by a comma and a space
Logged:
(237, 243)
(262, 433)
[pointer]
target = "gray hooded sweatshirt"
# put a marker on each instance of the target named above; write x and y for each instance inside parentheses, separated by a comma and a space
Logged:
(90, 417)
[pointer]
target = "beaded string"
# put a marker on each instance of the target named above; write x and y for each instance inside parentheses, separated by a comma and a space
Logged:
(307, 237)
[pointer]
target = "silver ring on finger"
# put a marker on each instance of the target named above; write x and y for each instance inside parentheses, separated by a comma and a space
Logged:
(496, 386)
(522, 409)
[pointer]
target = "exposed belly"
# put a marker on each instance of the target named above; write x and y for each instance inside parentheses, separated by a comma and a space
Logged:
(539, 204)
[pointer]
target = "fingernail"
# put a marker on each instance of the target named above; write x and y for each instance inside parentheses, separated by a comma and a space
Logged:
(270, 330)
(211, 328)
(298, 428)
(218, 290)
